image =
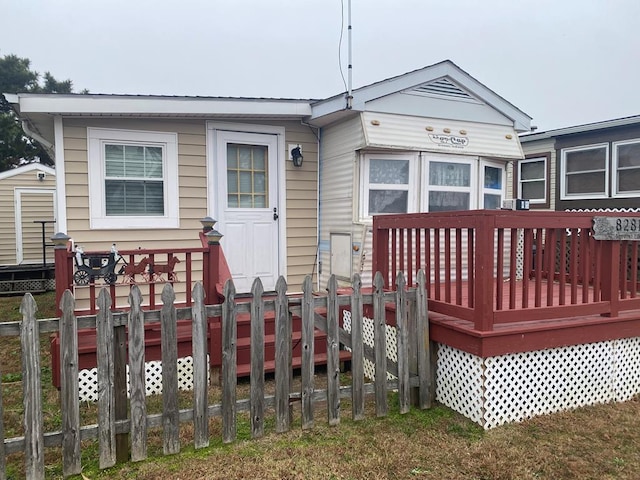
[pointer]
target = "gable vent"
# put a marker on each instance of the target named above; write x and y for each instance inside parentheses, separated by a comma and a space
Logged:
(442, 88)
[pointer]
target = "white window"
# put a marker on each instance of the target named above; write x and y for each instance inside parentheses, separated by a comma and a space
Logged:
(449, 185)
(133, 179)
(446, 183)
(388, 184)
(626, 167)
(492, 182)
(532, 183)
(585, 172)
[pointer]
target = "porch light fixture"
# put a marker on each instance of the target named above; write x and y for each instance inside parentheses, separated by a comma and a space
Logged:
(296, 156)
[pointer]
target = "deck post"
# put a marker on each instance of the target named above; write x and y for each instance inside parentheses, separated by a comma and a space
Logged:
(63, 267)
(483, 278)
(380, 260)
(610, 268)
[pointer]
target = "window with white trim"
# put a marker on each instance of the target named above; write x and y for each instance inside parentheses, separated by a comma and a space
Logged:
(585, 172)
(532, 179)
(133, 179)
(626, 165)
(449, 186)
(429, 182)
(388, 184)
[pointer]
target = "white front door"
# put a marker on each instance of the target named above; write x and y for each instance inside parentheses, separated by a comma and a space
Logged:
(248, 209)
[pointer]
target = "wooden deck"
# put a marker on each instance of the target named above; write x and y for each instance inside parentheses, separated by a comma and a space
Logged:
(529, 316)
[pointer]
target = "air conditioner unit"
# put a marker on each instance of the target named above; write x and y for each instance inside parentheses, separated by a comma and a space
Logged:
(515, 204)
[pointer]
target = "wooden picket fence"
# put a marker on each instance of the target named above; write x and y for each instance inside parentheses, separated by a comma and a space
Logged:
(123, 419)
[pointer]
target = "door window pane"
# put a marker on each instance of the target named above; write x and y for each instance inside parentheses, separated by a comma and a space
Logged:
(247, 176)
(492, 202)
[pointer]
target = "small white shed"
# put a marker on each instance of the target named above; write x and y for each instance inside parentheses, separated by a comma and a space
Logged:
(27, 202)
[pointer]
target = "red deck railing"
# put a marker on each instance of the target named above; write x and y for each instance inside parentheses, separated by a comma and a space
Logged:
(494, 267)
(212, 271)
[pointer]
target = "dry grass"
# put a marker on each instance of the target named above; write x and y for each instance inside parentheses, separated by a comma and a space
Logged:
(599, 442)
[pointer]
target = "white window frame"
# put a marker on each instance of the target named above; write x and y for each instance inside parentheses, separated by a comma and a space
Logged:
(96, 140)
(472, 189)
(614, 170)
(411, 187)
(544, 179)
(493, 191)
(563, 172)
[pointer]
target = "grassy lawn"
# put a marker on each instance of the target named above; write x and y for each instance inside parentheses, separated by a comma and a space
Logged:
(599, 442)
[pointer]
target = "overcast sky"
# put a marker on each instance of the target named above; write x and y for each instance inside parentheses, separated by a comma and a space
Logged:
(563, 62)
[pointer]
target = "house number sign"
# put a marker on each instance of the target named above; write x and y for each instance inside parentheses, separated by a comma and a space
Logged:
(616, 228)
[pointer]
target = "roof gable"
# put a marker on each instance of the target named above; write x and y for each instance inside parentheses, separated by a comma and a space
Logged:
(27, 168)
(441, 79)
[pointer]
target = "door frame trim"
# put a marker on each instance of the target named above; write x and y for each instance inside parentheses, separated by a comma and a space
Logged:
(212, 194)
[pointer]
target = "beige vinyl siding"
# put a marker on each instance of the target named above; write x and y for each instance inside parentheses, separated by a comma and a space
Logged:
(36, 209)
(35, 206)
(301, 191)
(340, 143)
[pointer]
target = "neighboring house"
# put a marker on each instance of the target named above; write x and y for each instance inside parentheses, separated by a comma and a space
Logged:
(142, 171)
(592, 166)
(27, 197)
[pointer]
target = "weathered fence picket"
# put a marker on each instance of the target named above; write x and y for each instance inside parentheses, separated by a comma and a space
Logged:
(357, 351)
(137, 382)
(114, 430)
(283, 357)
(257, 360)
(380, 342)
(32, 399)
(169, 339)
(307, 373)
(69, 391)
(333, 358)
(229, 364)
(200, 387)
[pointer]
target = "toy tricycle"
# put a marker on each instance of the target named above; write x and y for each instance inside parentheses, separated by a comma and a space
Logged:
(96, 265)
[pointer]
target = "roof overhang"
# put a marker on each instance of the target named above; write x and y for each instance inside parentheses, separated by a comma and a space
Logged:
(585, 128)
(389, 131)
(157, 106)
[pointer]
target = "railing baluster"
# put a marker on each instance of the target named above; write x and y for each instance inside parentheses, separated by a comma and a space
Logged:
(499, 269)
(513, 264)
(447, 265)
(538, 266)
(458, 279)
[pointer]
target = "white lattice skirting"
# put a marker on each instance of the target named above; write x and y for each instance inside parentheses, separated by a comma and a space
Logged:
(153, 379)
(511, 388)
(514, 387)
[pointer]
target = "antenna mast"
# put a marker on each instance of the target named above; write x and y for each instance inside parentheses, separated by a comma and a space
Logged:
(350, 66)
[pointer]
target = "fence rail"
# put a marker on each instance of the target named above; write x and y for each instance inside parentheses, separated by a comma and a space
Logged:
(123, 419)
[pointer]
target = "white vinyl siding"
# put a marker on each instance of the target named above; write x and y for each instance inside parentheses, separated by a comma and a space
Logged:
(626, 168)
(585, 172)
(532, 174)
(133, 179)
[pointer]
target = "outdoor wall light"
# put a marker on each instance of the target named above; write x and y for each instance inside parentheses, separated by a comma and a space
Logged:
(296, 156)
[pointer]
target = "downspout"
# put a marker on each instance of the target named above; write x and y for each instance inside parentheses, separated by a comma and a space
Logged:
(319, 270)
(38, 138)
(61, 191)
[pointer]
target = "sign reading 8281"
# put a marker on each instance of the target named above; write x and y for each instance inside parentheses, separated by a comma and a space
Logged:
(616, 228)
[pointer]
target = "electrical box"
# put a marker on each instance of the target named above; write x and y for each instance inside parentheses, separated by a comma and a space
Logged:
(515, 204)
